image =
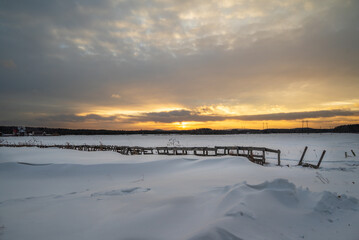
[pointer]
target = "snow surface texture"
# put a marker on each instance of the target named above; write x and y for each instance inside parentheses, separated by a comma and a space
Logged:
(68, 194)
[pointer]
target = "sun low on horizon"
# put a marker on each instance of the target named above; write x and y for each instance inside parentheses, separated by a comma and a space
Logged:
(160, 64)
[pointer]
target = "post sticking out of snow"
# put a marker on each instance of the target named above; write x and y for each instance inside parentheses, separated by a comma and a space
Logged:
(353, 153)
(264, 155)
(301, 159)
(321, 158)
(278, 157)
(346, 154)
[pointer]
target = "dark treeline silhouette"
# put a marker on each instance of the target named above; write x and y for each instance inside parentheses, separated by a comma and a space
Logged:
(354, 128)
(202, 131)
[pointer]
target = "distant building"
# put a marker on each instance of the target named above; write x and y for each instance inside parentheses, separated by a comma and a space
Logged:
(22, 131)
(37, 133)
(19, 131)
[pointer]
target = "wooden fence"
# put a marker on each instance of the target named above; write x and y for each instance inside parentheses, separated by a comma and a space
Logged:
(254, 154)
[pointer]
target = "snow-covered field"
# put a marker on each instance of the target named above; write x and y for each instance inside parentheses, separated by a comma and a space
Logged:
(68, 194)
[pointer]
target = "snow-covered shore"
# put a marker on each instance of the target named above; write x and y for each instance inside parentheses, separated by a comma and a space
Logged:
(67, 194)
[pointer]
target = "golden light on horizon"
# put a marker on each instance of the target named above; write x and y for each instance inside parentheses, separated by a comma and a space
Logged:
(170, 117)
(181, 65)
(182, 125)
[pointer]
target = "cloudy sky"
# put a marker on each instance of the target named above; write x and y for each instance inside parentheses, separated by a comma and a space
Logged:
(160, 64)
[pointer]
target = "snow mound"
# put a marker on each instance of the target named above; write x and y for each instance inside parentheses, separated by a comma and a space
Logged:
(330, 203)
(278, 210)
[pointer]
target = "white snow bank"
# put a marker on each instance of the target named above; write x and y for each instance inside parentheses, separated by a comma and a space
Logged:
(280, 210)
(271, 210)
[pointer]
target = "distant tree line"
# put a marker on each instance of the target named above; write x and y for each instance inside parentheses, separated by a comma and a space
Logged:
(202, 131)
(353, 128)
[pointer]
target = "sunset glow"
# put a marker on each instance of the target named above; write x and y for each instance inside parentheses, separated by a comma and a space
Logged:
(181, 65)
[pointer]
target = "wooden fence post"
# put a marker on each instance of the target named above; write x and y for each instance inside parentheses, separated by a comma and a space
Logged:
(278, 157)
(321, 158)
(301, 159)
(353, 153)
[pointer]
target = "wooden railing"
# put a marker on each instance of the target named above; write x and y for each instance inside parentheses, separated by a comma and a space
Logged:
(254, 154)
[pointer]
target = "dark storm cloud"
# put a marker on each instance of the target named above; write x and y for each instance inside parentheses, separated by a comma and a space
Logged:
(298, 115)
(76, 118)
(175, 116)
(186, 115)
(182, 116)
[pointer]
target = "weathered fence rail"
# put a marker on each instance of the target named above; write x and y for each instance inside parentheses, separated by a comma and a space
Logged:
(254, 154)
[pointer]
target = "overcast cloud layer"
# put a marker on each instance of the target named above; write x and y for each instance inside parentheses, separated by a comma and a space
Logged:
(117, 63)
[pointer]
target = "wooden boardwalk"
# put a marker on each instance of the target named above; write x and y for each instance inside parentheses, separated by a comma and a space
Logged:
(254, 154)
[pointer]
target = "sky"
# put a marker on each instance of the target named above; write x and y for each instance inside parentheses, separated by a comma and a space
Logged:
(160, 64)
